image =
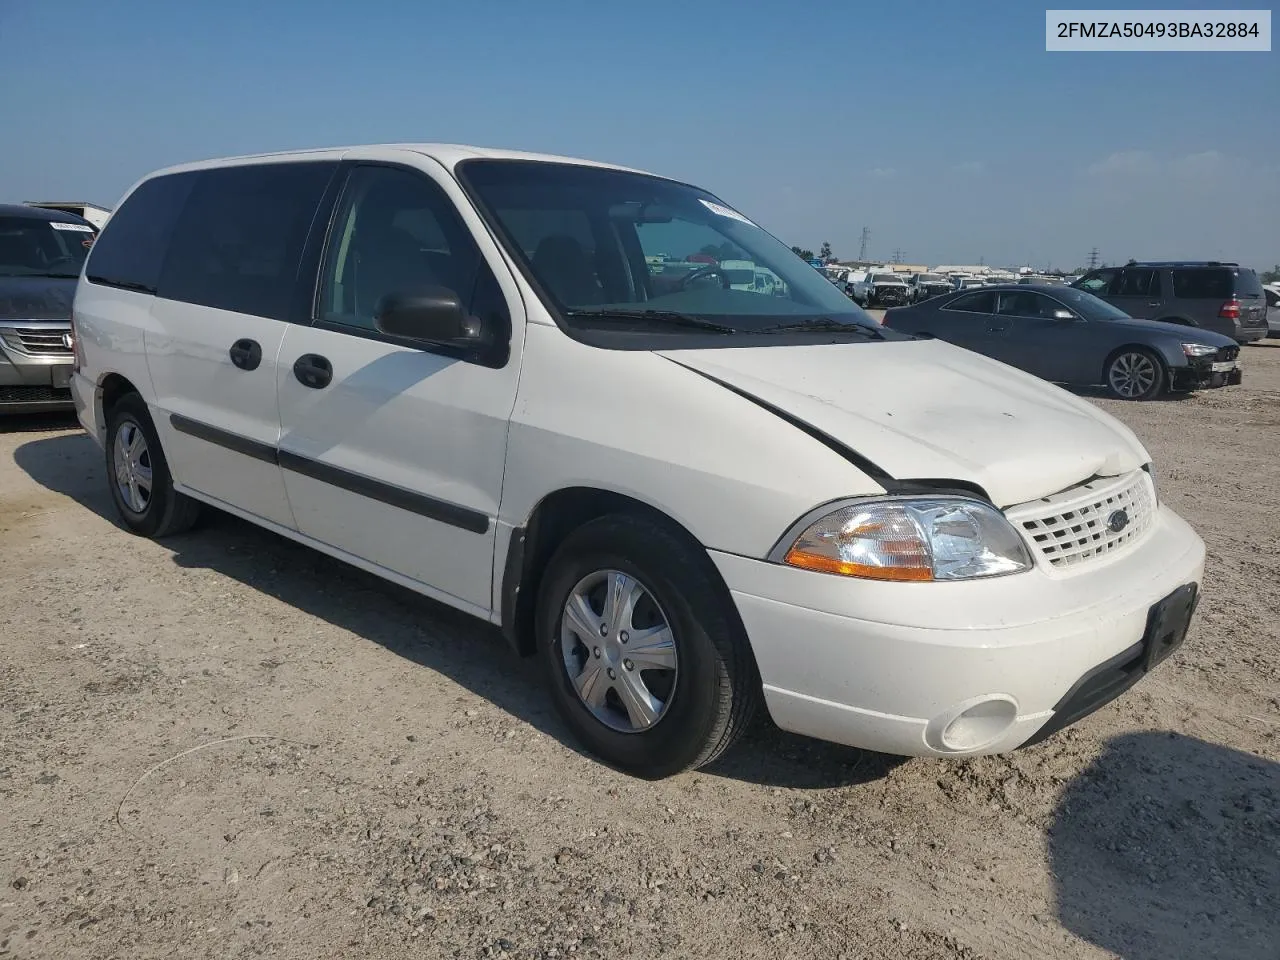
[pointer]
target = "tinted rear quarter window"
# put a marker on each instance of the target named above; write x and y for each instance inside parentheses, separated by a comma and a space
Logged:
(238, 242)
(131, 249)
(1202, 283)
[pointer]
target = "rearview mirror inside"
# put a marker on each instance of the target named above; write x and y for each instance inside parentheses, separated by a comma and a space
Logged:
(434, 314)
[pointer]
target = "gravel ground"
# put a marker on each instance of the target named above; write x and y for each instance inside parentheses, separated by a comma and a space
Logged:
(227, 745)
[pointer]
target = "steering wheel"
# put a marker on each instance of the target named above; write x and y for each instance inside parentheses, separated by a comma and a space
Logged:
(711, 269)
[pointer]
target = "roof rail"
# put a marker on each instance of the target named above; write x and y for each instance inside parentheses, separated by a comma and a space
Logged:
(1182, 263)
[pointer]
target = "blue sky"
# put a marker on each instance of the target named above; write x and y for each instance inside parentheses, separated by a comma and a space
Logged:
(945, 128)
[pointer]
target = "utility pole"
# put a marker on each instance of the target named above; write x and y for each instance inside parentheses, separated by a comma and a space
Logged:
(898, 255)
(1093, 258)
(866, 238)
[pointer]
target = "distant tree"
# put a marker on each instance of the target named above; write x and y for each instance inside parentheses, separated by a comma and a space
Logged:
(824, 252)
(1272, 275)
(802, 253)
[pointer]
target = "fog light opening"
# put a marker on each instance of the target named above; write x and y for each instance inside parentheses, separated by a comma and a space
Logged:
(980, 725)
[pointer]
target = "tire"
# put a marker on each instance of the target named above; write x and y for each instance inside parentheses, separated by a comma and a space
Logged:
(698, 708)
(1134, 373)
(156, 512)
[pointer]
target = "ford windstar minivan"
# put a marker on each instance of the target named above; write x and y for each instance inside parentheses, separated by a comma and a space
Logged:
(526, 386)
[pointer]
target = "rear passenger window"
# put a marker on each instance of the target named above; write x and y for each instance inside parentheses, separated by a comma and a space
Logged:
(239, 239)
(1139, 282)
(1202, 284)
(395, 233)
(974, 303)
(131, 248)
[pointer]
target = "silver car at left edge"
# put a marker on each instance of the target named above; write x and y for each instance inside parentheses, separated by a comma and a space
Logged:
(41, 255)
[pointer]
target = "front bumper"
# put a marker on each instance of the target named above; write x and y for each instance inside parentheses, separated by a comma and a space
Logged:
(1200, 375)
(890, 666)
(32, 383)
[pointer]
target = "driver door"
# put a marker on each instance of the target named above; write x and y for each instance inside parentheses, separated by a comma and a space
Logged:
(1026, 334)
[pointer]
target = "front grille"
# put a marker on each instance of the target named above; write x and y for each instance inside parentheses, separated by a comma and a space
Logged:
(37, 342)
(34, 394)
(1077, 526)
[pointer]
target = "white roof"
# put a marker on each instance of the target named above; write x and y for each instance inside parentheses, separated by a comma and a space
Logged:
(447, 154)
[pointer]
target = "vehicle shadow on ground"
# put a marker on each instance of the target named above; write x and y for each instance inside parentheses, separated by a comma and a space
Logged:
(432, 635)
(1102, 393)
(1168, 846)
(38, 422)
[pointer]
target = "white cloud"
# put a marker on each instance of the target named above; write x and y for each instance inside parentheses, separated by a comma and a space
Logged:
(1124, 162)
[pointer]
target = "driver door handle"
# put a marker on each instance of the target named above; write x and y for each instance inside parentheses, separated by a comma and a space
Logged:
(246, 354)
(313, 370)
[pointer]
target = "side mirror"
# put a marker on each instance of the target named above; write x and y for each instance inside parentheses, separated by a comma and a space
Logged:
(1063, 315)
(433, 314)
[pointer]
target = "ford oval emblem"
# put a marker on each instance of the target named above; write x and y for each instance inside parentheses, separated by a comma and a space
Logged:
(1117, 521)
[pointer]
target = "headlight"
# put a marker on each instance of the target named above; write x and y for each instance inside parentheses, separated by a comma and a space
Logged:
(929, 538)
(1198, 349)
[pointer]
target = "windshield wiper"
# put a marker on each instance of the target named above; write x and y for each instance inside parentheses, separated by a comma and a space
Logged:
(826, 326)
(63, 276)
(670, 318)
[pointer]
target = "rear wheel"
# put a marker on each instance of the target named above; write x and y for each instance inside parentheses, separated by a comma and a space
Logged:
(645, 657)
(1134, 374)
(140, 482)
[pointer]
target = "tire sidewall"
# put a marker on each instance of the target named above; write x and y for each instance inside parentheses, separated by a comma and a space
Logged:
(680, 735)
(132, 409)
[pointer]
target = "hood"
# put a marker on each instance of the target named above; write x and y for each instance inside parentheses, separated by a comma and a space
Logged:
(1190, 334)
(36, 298)
(924, 409)
(890, 283)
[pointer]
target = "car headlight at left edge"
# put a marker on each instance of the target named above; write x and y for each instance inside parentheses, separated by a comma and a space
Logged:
(912, 539)
(1198, 350)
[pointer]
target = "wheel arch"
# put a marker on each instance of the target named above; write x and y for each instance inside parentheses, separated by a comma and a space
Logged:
(110, 389)
(552, 519)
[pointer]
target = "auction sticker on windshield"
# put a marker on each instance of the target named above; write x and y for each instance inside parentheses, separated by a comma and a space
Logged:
(723, 211)
(77, 227)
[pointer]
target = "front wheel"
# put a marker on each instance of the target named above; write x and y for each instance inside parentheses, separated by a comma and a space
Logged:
(645, 656)
(1135, 374)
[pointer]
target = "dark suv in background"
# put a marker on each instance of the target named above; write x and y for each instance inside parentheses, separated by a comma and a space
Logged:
(1223, 297)
(41, 255)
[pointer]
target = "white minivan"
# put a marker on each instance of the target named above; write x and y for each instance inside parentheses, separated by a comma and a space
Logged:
(455, 368)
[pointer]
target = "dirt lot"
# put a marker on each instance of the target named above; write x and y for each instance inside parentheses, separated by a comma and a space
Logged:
(228, 746)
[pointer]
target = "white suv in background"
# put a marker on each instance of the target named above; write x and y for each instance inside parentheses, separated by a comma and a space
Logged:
(453, 367)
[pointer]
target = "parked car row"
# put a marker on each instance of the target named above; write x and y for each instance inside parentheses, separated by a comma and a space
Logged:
(455, 368)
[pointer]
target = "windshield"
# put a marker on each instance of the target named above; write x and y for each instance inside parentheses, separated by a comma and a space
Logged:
(32, 247)
(590, 237)
(931, 278)
(1089, 306)
(887, 278)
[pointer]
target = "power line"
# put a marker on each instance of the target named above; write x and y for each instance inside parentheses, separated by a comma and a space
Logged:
(898, 255)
